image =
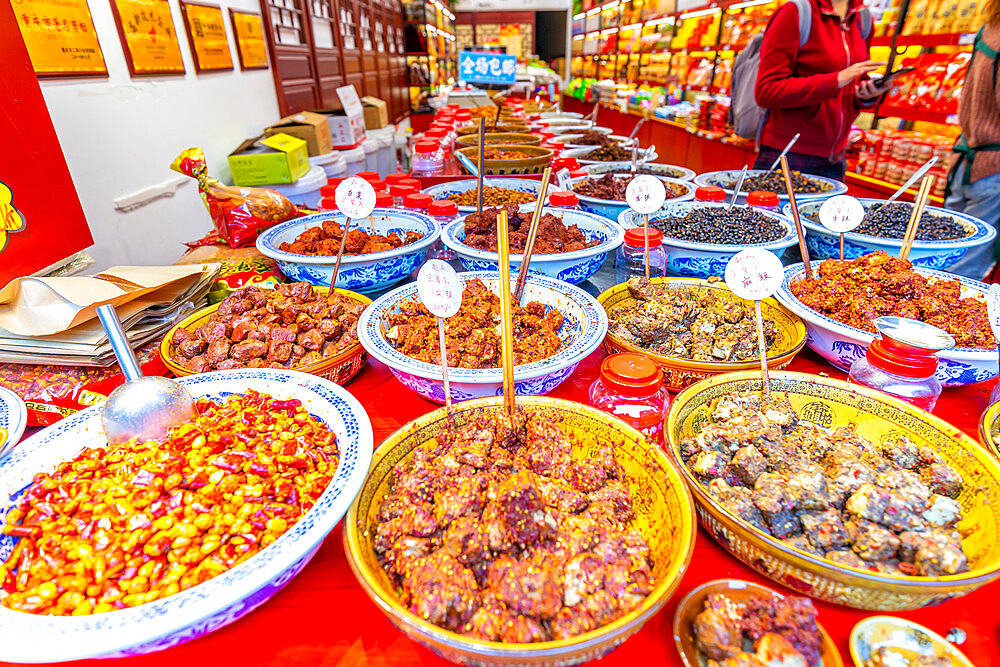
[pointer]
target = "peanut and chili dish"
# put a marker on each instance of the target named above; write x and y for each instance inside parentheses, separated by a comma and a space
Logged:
(290, 326)
(613, 187)
(553, 235)
(888, 507)
(325, 241)
(499, 532)
(492, 196)
(472, 335)
(856, 292)
(124, 525)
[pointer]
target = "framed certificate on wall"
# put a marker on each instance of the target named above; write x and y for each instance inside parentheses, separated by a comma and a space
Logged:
(207, 36)
(149, 37)
(60, 37)
(251, 46)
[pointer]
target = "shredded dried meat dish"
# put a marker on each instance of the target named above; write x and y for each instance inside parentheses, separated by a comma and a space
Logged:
(472, 335)
(856, 292)
(325, 240)
(888, 508)
(499, 532)
(553, 235)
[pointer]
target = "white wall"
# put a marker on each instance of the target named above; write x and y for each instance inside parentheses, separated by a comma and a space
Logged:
(120, 134)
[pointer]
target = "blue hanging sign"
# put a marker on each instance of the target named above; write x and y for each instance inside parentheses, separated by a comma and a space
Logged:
(482, 67)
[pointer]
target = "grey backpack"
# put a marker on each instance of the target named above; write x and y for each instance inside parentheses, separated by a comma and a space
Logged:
(744, 113)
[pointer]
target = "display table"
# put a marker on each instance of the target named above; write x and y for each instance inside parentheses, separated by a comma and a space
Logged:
(324, 618)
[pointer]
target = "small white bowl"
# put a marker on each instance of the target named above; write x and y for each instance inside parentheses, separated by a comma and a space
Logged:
(13, 420)
(645, 155)
(909, 638)
(568, 139)
(444, 190)
(613, 208)
(655, 168)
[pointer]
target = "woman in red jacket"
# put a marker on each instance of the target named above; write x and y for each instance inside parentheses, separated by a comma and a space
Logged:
(817, 90)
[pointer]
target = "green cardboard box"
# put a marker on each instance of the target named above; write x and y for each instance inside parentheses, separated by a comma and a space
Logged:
(280, 158)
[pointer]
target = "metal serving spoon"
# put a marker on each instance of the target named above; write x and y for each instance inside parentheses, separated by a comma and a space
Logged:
(143, 407)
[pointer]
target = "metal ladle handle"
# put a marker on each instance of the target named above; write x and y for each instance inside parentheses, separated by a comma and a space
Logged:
(119, 342)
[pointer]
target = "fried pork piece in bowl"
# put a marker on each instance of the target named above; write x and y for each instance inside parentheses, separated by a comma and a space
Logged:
(576, 491)
(694, 329)
(839, 491)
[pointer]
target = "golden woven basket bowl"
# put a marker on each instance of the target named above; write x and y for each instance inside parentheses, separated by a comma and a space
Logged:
(338, 368)
(986, 430)
(679, 373)
(875, 416)
(536, 164)
(664, 516)
(508, 138)
(506, 126)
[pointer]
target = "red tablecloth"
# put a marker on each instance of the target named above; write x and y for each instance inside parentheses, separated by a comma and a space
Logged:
(324, 618)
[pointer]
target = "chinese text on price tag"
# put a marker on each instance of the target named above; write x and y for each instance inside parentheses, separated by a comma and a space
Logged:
(754, 274)
(841, 213)
(563, 178)
(439, 288)
(645, 194)
(355, 197)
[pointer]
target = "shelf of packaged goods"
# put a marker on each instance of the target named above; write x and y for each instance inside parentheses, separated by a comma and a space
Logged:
(927, 116)
(944, 39)
(876, 187)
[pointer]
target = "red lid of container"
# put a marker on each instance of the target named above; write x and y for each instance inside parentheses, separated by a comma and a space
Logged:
(426, 146)
(907, 347)
(413, 183)
(378, 184)
(560, 198)
(436, 133)
(463, 114)
(565, 163)
(392, 179)
(453, 106)
(399, 190)
(444, 124)
(631, 374)
(442, 208)
(335, 181)
(418, 201)
(710, 193)
(328, 191)
(578, 173)
(555, 145)
(328, 203)
(383, 200)
(368, 175)
(636, 237)
(762, 198)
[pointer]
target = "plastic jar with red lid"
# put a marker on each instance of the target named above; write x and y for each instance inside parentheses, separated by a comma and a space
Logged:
(630, 258)
(399, 193)
(564, 200)
(710, 193)
(428, 158)
(445, 212)
(383, 200)
(630, 387)
(417, 201)
(764, 200)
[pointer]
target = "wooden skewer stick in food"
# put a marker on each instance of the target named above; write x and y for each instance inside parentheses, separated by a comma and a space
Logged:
(479, 166)
(340, 254)
(918, 211)
(506, 314)
(762, 348)
(795, 215)
(444, 364)
(841, 246)
(645, 242)
(529, 246)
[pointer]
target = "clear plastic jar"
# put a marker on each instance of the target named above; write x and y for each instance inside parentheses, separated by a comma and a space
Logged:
(383, 200)
(446, 213)
(463, 118)
(630, 387)
(428, 158)
(441, 136)
(764, 200)
(630, 258)
(564, 200)
(902, 362)
(399, 193)
(709, 193)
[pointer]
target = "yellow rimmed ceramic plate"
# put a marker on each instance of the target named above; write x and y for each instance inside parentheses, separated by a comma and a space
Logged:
(902, 640)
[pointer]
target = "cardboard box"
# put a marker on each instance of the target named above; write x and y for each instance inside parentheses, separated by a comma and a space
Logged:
(312, 128)
(347, 121)
(376, 112)
(280, 158)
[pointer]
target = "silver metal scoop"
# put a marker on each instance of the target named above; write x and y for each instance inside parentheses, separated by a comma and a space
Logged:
(144, 407)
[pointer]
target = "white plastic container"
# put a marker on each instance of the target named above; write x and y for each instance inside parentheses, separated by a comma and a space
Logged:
(355, 159)
(370, 146)
(305, 191)
(333, 163)
(386, 138)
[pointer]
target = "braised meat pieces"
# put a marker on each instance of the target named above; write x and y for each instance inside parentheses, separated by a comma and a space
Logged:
(290, 326)
(472, 335)
(497, 531)
(887, 508)
(553, 236)
(688, 324)
(325, 240)
(856, 292)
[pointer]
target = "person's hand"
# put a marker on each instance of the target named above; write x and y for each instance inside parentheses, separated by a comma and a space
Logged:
(857, 70)
(869, 90)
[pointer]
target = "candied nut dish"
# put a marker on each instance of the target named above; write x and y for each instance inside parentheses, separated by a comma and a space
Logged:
(499, 532)
(290, 326)
(553, 235)
(888, 508)
(686, 323)
(325, 241)
(472, 335)
(124, 525)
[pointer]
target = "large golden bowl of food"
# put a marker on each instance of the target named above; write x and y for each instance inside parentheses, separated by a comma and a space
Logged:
(507, 159)
(295, 326)
(839, 491)
(989, 428)
(517, 138)
(546, 543)
(508, 125)
(695, 328)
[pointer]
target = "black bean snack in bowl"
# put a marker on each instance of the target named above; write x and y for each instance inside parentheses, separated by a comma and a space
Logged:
(891, 221)
(715, 225)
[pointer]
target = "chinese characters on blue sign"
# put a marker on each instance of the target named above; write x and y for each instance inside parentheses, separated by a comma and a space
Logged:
(478, 67)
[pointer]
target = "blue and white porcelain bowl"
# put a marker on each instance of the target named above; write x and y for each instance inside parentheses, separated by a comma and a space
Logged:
(582, 332)
(841, 345)
(704, 260)
(444, 190)
(13, 419)
(572, 267)
(938, 255)
(645, 155)
(215, 603)
(358, 273)
(657, 169)
(612, 208)
(567, 140)
(560, 115)
(727, 181)
(559, 126)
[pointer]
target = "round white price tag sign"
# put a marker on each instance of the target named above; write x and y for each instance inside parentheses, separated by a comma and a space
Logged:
(439, 288)
(841, 213)
(754, 274)
(355, 197)
(645, 194)
(993, 308)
